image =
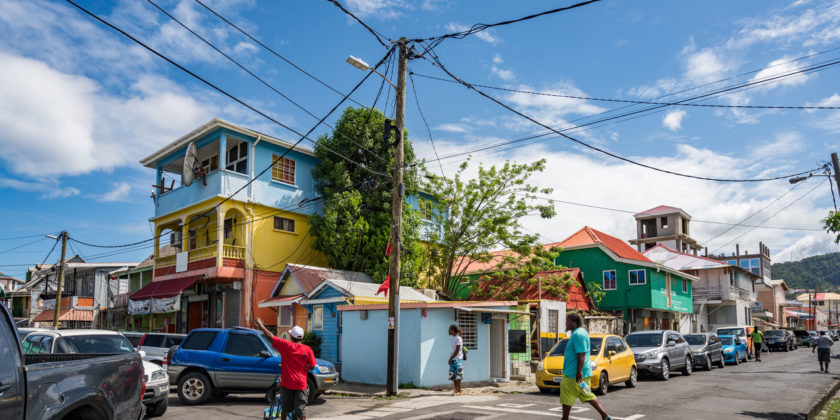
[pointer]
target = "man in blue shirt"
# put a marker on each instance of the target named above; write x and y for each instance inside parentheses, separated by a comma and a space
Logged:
(577, 370)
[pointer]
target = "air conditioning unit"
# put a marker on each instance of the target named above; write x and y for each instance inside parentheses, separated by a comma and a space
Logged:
(176, 239)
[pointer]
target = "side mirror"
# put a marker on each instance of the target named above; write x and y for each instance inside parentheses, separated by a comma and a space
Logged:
(611, 353)
(142, 354)
(671, 343)
(265, 354)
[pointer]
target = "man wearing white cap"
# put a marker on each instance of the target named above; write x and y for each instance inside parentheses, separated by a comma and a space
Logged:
(297, 360)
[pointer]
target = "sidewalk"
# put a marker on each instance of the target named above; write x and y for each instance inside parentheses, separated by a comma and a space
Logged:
(476, 388)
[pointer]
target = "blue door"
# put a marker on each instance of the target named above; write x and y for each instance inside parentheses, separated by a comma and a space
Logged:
(246, 363)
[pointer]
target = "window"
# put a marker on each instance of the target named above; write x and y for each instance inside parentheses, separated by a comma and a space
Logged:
(283, 169)
(612, 345)
(637, 277)
(229, 224)
(318, 317)
(426, 210)
(210, 164)
(685, 286)
(282, 223)
(246, 345)
(237, 158)
(153, 340)
(192, 235)
(609, 280)
(286, 316)
(622, 346)
(664, 221)
(467, 322)
(553, 321)
(172, 340)
(733, 262)
(199, 340)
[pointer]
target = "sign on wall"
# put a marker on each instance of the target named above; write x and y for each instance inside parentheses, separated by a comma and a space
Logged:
(166, 305)
(139, 307)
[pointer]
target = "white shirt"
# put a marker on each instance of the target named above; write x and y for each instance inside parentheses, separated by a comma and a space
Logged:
(457, 341)
(824, 342)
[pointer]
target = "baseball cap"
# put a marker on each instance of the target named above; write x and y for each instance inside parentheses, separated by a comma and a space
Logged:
(296, 332)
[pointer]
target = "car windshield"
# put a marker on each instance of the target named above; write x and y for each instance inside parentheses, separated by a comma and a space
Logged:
(594, 347)
(727, 341)
(695, 339)
(738, 332)
(93, 344)
(775, 333)
(644, 340)
(800, 333)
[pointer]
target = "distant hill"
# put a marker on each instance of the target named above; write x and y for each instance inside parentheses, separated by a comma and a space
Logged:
(821, 271)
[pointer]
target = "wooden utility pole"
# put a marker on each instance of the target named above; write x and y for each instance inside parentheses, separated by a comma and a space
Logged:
(836, 162)
(392, 381)
(60, 280)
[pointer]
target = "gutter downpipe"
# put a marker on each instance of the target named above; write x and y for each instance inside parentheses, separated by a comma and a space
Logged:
(253, 161)
(250, 263)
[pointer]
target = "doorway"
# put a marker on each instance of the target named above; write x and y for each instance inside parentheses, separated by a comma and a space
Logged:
(498, 368)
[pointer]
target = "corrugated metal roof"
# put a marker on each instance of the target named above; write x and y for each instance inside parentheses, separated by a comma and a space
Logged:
(589, 236)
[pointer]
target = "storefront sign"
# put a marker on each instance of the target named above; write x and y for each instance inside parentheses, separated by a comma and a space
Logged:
(138, 307)
(166, 305)
(48, 304)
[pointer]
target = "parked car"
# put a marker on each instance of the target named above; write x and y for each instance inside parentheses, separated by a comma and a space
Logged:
(214, 361)
(779, 340)
(742, 331)
(613, 360)
(157, 345)
(133, 337)
(66, 386)
(706, 349)
(734, 349)
(659, 352)
(803, 338)
(156, 389)
(23, 332)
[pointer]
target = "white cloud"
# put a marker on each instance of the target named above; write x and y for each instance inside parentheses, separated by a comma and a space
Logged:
(452, 128)
(119, 192)
(485, 35)
(779, 67)
(382, 9)
(704, 66)
(781, 147)
(503, 74)
(47, 189)
(551, 110)
(497, 59)
(808, 26)
(673, 119)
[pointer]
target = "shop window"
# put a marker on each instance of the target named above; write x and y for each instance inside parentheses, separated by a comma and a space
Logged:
(282, 223)
(637, 277)
(237, 158)
(283, 169)
(318, 317)
(469, 333)
(609, 280)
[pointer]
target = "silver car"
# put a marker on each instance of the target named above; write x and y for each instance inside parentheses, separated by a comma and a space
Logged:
(659, 352)
(706, 349)
(157, 345)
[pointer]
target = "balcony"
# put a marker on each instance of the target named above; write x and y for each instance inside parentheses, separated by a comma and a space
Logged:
(723, 294)
(219, 183)
(200, 254)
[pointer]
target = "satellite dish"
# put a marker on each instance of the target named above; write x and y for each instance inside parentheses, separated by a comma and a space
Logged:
(190, 160)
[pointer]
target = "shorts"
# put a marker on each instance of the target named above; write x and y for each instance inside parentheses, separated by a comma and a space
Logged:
(824, 355)
(294, 401)
(570, 391)
(456, 369)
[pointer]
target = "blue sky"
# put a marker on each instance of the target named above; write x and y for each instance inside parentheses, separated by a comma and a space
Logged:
(80, 105)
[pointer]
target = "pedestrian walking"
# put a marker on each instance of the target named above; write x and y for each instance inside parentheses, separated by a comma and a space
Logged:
(456, 358)
(577, 370)
(757, 338)
(822, 345)
(298, 359)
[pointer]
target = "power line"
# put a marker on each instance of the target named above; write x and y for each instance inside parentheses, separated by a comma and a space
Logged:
(373, 32)
(50, 253)
(420, 110)
(22, 246)
(596, 148)
(23, 237)
(629, 101)
(258, 78)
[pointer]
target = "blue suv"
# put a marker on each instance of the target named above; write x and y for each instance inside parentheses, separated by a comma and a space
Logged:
(212, 362)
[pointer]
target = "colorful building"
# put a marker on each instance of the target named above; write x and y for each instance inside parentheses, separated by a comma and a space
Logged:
(650, 296)
(771, 298)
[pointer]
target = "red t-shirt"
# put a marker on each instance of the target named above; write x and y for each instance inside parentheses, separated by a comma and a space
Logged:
(296, 360)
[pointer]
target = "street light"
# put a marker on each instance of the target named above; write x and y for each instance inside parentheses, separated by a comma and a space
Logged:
(52, 237)
(363, 66)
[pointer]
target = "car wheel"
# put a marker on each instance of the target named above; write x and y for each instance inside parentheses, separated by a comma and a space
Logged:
(634, 377)
(666, 370)
(194, 388)
(722, 362)
(708, 362)
(545, 390)
(603, 384)
(313, 390)
(158, 409)
(686, 371)
(737, 360)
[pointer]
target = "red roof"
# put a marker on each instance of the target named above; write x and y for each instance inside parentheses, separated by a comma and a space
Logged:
(577, 297)
(65, 314)
(164, 288)
(659, 210)
(282, 298)
(690, 255)
(589, 236)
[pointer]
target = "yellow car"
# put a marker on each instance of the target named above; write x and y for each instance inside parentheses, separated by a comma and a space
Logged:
(611, 354)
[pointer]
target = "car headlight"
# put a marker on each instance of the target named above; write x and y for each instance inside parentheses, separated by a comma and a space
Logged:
(699, 351)
(159, 374)
(728, 350)
(323, 369)
(648, 354)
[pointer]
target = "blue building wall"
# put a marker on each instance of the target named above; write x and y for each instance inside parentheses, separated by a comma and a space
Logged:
(330, 333)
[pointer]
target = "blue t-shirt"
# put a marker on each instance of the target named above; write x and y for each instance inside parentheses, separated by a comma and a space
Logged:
(578, 343)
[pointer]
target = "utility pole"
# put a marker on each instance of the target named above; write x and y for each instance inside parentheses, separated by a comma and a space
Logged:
(60, 280)
(392, 381)
(836, 162)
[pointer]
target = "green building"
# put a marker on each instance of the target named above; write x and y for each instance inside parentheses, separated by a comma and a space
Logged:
(651, 296)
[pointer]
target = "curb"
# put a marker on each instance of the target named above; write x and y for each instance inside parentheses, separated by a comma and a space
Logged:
(815, 410)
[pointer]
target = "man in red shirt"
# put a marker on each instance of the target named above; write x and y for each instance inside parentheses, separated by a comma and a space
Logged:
(297, 360)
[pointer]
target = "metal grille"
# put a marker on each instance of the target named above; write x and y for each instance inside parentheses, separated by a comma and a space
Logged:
(466, 320)
(553, 314)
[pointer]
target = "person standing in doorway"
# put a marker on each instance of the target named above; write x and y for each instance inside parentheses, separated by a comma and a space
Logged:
(298, 359)
(577, 370)
(822, 345)
(757, 338)
(456, 358)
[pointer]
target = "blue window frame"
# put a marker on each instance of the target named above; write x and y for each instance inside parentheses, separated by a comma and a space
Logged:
(637, 277)
(610, 280)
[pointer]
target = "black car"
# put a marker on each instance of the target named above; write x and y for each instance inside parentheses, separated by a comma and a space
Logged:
(780, 340)
(706, 349)
(803, 337)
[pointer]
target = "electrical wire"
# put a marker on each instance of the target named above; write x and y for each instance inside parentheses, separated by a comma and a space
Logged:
(373, 32)
(6, 251)
(598, 149)
(258, 78)
(23, 237)
(49, 253)
(426, 123)
(628, 101)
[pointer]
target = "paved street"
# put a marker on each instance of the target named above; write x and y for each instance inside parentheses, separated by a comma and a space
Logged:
(792, 379)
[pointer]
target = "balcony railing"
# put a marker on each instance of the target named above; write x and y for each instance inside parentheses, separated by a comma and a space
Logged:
(722, 293)
(165, 261)
(235, 252)
(207, 252)
(202, 253)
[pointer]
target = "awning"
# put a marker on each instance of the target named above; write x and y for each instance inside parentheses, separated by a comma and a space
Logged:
(495, 311)
(280, 301)
(65, 314)
(165, 288)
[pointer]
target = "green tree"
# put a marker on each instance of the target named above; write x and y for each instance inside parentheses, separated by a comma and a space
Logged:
(355, 227)
(479, 215)
(831, 224)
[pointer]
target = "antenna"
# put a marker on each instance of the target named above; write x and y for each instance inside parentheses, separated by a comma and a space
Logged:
(188, 172)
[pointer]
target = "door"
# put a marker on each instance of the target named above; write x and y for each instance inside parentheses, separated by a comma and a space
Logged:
(675, 352)
(497, 349)
(242, 366)
(619, 369)
(12, 394)
(613, 369)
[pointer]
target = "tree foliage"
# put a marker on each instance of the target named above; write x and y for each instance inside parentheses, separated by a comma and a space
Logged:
(831, 224)
(480, 214)
(354, 229)
(818, 272)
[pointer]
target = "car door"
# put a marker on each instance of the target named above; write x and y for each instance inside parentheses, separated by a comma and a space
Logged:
(246, 363)
(12, 389)
(619, 370)
(715, 348)
(674, 352)
(682, 345)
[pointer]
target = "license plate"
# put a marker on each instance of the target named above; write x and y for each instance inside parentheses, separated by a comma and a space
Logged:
(557, 379)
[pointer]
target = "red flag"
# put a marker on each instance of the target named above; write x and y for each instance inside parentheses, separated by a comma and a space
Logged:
(388, 251)
(385, 285)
